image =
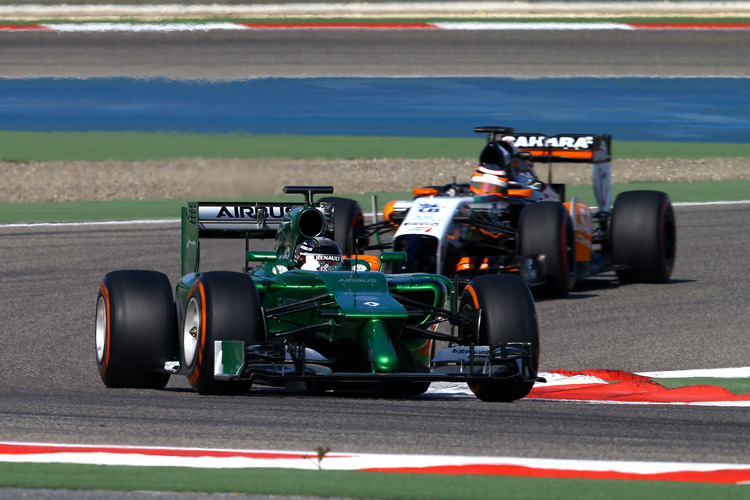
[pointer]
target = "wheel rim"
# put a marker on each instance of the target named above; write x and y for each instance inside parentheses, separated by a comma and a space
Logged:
(101, 329)
(468, 304)
(190, 331)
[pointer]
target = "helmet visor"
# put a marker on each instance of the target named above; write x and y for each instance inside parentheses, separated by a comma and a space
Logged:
(489, 184)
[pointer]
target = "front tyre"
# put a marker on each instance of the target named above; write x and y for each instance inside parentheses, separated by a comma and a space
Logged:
(644, 237)
(507, 314)
(221, 305)
(135, 329)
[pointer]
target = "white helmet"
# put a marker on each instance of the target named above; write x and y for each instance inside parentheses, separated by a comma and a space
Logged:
(318, 254)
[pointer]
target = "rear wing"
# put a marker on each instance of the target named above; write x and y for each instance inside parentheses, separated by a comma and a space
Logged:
(595, 149)
(562, 148)
(237, 220)
(255, 220)
(209, 219)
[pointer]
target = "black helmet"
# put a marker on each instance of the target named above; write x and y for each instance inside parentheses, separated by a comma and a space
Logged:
(318, 254)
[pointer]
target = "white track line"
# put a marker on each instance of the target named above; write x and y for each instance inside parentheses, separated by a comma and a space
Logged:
(741, 372)
(105, 27)
(90, 223)
(141, 28)
(473, 26)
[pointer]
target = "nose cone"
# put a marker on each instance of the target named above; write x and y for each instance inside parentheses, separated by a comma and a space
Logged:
(382, 355)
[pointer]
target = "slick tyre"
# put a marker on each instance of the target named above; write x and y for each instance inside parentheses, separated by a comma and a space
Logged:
(348, 220)
(546, 229)
(644, 237)
(135, 329)
(221, 305)
(507, 314)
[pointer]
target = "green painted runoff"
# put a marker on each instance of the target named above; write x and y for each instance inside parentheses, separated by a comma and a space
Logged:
(18, 146)
(340, 484)
(733, 385)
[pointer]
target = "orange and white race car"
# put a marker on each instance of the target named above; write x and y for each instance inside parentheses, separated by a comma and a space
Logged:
(507, 220)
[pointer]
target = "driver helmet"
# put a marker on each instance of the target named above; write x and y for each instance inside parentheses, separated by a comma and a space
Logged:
(489, 179)
(516, 163)
(318, 254)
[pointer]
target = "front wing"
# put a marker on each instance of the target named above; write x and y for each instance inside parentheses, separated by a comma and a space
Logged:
(235, 360)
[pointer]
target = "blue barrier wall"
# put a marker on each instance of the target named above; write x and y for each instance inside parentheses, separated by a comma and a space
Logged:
(633, 109)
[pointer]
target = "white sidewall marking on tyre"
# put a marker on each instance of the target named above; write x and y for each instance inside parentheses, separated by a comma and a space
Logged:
(190, 341)
(101, 329)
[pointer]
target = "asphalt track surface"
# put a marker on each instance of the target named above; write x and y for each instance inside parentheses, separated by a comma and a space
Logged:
(250, 54)
(50, 390)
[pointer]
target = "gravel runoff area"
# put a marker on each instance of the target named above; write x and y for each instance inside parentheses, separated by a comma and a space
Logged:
(241, 178)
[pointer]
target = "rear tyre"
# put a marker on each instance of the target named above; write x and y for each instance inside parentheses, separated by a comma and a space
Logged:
(507, 314)
(221, 305)
(644, 236)
(135, 329)
(546, 229)
(349, 224)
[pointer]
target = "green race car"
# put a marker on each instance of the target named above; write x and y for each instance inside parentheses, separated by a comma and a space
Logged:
(319, 321)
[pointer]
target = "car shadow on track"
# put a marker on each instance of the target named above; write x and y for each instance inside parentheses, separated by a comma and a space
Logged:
(589, 287)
